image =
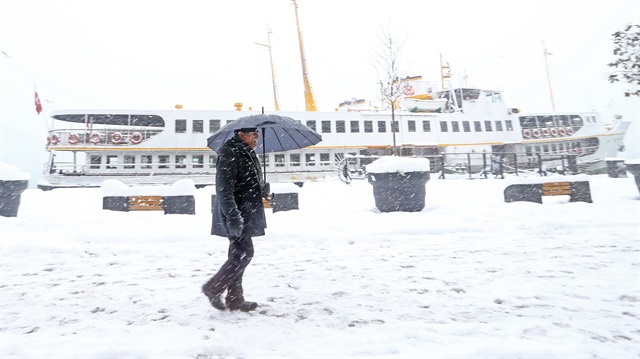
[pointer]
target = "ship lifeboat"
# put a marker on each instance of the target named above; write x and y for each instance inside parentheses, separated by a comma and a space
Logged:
(545, 132)
(562, 131)
(53, 139)
(569, 131)
(553, 132)
(535, 133)
(526, 133)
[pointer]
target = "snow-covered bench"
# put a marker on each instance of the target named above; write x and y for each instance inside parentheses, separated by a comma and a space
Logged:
(532, 189)
(284, 197)
(176, 199)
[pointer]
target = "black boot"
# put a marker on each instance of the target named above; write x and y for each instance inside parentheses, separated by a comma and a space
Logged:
(214, 299)
(245, 306)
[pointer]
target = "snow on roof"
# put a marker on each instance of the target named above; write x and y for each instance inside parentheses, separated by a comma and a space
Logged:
(391, 164)
(12, 173)
(182, 187)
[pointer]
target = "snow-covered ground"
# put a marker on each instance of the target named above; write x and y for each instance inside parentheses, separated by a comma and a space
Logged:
(470, 276)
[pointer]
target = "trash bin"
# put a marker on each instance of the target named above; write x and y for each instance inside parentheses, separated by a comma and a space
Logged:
(12, 183)
(634, 167)
(616, 167)
(399, 183)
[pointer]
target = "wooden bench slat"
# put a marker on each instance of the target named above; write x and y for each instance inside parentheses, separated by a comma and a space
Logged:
(145, 203)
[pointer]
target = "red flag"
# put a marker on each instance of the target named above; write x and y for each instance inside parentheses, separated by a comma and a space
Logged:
(38, 104)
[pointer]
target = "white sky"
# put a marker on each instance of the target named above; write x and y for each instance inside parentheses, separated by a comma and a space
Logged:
(469, 276)
(155, 54)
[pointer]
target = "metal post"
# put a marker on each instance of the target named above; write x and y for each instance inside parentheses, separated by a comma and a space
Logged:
(540, 164)
(515, 162)
(469, 164)
(484, 164)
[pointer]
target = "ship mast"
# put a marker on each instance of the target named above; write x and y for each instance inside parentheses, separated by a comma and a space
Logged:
(546, 66)
(273, 70)
(309, 100)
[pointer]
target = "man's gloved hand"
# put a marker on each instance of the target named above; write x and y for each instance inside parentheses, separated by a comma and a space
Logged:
(266, 190)
(235, 224)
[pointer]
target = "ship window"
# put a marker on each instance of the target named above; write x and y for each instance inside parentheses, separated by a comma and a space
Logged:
(538, 149)
(311, 125)
(112, 162)
(181, 126)
(546, 148)
(264, 160)
(576, 121)
(411, 126)
(382, 126)
(562, 120)
(554, 149)
(497, 97)
(426, 126)
(214, 125)
(509, 125)
(310, 159)
(498, 125)
(340, 126)
(279, 160)
(145, 160)
(324, 159)
(355, 126)
(477, 126)
(197, 161)
(455, 126)
(96, 160)
(129, 162)
(326, 126)
(163, 160)
(212, 161)
(443, 126)
(294, 159)
(545, 121)
(489, 97)
(198, 126)
(395, 126)
(528, 122)
(487, 126)
(465, 126)
(368, 126)
(181, 161)
(527, 150)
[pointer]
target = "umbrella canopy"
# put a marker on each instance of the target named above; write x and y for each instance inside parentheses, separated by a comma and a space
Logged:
(279, 133)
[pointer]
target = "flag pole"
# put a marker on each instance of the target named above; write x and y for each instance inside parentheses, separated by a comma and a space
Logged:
(40, 109)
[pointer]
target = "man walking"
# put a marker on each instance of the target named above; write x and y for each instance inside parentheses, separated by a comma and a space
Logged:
(238, 214)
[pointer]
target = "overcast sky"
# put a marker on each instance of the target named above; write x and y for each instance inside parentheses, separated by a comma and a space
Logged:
(201, 54)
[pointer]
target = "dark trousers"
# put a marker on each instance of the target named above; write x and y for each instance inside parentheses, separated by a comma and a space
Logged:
(229, 277)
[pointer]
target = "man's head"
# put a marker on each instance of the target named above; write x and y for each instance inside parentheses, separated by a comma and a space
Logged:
(249, 135)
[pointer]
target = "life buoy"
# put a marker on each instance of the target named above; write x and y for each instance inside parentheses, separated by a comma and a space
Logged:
(562, 131)
(54, 139)
(545, 132)
(116, 138)
(535, 133)
(554, 132)
(95, 138)
(73, 138)
(526, 133)
(569, 131)
(135, 138)
(408, 90)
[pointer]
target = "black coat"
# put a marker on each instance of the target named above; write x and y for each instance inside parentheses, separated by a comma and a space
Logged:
(238, 188)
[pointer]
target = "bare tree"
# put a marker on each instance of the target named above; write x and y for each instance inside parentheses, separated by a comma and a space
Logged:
(627, 49)
(387, 63)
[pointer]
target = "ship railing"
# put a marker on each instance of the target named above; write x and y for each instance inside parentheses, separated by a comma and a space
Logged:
(99, 137)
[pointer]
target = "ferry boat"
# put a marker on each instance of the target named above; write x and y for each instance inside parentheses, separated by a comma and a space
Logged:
(161, 147)
(458, 128)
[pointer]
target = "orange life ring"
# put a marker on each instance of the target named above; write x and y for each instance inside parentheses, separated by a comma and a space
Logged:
(73, 138)
(526, 133)
(116, 138)
(408, 90)
(95, 138)
(569, 131)
(545, 132)
(554, 132)
(54, 139)
(562, 131)
(535, 133)
(135, 138)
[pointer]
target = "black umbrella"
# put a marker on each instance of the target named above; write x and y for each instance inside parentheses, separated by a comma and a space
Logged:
(279, 133)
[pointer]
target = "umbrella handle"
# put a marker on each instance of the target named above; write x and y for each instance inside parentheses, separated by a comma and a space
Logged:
(264, 156)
